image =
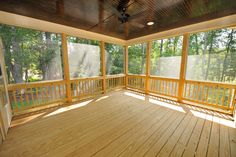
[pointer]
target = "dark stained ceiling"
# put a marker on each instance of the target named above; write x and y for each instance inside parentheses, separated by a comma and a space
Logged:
(105, 16)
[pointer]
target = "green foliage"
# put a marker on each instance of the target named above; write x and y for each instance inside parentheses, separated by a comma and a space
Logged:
(211, 55)
(28, 52)
(114, 59)
(137, 58)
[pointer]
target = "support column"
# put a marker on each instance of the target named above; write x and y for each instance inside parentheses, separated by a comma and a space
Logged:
(148, 50)
(103, 66)
(66, 67)
(183, 67)
(126, 65)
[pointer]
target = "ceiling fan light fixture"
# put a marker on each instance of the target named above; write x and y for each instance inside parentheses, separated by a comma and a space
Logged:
(150, 23)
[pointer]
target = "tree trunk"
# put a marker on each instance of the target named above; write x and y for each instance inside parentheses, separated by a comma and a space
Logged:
(203, 54)
(209, 55)
(143, 59)
(26, 76)
(159, 62)
(226, 55)
(47, 75)
(16, 68)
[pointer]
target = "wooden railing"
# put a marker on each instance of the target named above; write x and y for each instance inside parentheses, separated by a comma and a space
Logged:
(136, 82)
(218, 95)
(164, 86)
(114, 82)
(86, 87)
(30, 95)
(33, 95)
(214, 94)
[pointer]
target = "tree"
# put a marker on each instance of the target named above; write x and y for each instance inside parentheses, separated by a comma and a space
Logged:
(27, 53)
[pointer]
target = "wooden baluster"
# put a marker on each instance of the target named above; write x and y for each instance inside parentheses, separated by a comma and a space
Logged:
(211, 95)
(160, 86)
(59, 87)
(77, 88)
(223, 98)
(55, 91)
(37, 96)
(27, 97)
(194, 90)
(189, 90)
(32, 96)
(229, 97)
(207, 91)
(14, 92)
(203, 91)
(51, 93)
(198, 92)
(47, 94)
(62, 91)
(217, 95)
(83, 88)
(42, 94)
(174, 88)
(185, 89)
(21, 100)
(152, 85)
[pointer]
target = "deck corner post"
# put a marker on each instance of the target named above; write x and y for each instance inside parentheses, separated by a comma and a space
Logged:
(66, 67)
(148, 52)
(126, 65)
(183, 66)
(103, 66)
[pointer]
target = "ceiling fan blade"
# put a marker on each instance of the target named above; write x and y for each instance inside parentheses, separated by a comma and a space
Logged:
(114, 10)
(136, 24)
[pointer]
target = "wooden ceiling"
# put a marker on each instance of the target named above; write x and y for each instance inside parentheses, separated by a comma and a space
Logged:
(102, 16)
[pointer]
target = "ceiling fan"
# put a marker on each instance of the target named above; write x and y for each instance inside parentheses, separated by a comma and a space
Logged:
(121, 12)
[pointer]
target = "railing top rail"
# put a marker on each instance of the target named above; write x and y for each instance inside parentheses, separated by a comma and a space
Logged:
(34, 84)
(163, 78)
(87, 78)
(212, 83)
(115, 76)
(136, 75)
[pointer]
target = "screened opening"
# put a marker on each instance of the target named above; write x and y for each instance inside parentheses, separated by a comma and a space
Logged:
(166, 57)
(137, 58)
(212, 56)
(114, 59)
(84, 57)
(31, 55)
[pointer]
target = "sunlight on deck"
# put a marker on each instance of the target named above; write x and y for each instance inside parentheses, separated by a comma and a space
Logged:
(213, 118)
(167, 105)
(25, 120)
(103, 97)
(68, 108)
(134, 95)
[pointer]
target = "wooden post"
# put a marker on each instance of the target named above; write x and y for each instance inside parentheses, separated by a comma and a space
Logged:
(126, 65)
(66, 67)
(149, 44)
(103, 66)
(183, 67)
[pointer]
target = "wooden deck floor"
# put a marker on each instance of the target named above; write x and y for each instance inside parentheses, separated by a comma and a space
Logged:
(122, 124)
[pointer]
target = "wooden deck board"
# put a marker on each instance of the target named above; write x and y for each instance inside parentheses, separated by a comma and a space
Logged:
(120, 124)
